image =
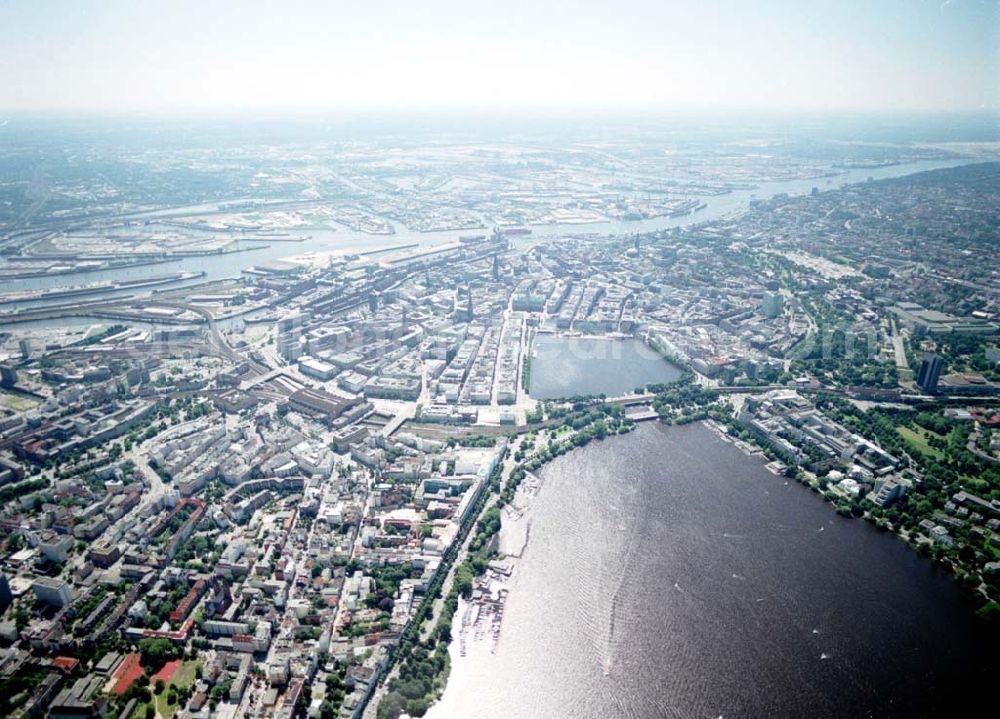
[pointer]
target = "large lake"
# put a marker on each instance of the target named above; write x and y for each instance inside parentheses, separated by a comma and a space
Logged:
(669, 575)
(570, 366)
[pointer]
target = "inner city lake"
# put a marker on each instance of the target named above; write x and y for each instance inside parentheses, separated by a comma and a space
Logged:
(574, 366)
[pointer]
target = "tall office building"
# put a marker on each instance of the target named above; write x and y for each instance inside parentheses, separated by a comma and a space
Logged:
(289, 346)
(289, 335)
(929, 372)
(6, 596)
(294, 321)
(772, 305)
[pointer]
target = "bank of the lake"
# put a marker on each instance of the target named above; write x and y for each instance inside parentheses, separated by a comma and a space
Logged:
(667, 574)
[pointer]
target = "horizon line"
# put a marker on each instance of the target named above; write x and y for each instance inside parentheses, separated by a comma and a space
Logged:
(593, 109)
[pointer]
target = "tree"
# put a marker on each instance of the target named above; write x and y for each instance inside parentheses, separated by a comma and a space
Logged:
(392, 706)
(158, 687)
(156, 651)
(21, 618)
(417, 707)
(990, 610)
(966, 553)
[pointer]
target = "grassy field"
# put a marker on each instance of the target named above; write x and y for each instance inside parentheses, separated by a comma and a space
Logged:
(183, 678)
(918, 440)
(17, 402)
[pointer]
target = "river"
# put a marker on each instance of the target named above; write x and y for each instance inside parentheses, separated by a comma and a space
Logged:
(668, 574)
(224, 266)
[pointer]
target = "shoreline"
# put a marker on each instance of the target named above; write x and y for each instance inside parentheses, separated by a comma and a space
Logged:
(753, 451)
(478, 622)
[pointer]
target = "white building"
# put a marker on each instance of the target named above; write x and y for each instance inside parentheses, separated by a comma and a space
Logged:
(52, 591)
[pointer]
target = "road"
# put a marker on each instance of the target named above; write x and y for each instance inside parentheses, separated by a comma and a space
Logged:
(425, 631)
(215, 336)
(898, 348)
(972, 445)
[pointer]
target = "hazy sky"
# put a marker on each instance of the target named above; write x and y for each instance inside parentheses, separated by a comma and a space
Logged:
(139, 54)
